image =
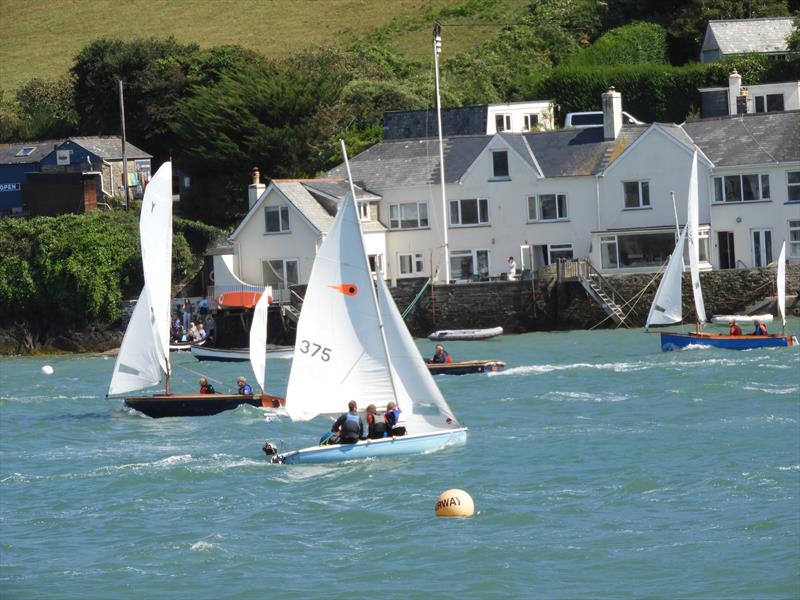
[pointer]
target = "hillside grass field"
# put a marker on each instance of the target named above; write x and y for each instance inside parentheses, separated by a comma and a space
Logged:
(41, 37)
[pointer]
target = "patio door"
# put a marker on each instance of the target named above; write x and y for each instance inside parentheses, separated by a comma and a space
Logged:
(762, 247)
(281, 274)
(727, 258)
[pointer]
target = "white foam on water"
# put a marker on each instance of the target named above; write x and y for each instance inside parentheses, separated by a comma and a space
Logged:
(620, 367)
(164, 463)
(203, 546)
(790, 468)
(771, 389)
(586, 397)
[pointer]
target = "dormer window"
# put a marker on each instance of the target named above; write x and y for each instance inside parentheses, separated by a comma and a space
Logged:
(502, 122)
(26, 151)
(500, 164)
(363, 211)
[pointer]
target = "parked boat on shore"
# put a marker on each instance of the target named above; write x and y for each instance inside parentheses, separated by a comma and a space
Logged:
(465, 334)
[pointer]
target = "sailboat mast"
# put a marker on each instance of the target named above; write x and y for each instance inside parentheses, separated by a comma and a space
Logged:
(437, 50)
(377, 273)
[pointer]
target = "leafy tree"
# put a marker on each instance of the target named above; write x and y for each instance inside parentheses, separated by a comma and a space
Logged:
(153, 72)
(47, 108)
(632, 44)
(794, 38)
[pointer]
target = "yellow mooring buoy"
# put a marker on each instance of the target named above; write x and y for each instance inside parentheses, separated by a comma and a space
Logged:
(455, 503)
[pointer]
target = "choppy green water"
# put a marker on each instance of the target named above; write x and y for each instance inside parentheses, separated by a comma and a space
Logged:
(600, 468)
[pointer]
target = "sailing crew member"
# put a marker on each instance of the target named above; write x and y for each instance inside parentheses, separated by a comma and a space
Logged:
(244, 389)
(205, 387)
(376, 427)
(760, 329)
(440, 356)
(735, 329)
(394, 422)
(349, 425)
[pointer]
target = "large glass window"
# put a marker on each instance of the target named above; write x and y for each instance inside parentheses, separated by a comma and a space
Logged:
(558, 252)
(276, 219)
(531, 122)
(409, 215)
(411, 263)
(547, 207)
(637, 194)
(793, 179)
(502, 122)
(469, 264)
(768, 103)
(794, 239)
(643, 250)
(500, 164)
(741, 188)
(280, 273)
(473, 211)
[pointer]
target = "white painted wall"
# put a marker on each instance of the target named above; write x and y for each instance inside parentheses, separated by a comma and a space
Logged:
(517, 111)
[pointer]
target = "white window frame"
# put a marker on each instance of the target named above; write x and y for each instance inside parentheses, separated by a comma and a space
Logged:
(283, 219)
(376, 260)
(764, 98)
(794, 238)
(458, 221)
(416, 264)
(610, 241)
(500, 176)
(553, 248)
(765, 256)
(502, 122)
(642, 190)
(363, 211)
(721, 193)
(528, 125)
(474, 256)
(792, 186)
(396, 220)
(536, 213)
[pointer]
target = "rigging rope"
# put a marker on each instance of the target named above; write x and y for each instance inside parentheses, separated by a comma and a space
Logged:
(413, 303)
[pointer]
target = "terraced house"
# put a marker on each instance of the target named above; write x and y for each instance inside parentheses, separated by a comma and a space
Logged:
(611, 194)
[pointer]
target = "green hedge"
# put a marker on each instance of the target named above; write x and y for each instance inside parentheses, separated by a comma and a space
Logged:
(74, 268)
(649, 92)
(636, 43)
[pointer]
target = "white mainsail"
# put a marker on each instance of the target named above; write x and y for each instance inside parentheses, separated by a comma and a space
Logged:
(781, 284)
(258, 337)
(693, 238)
(412, 377)
(144, 353)
(339, 350)
(667, 307)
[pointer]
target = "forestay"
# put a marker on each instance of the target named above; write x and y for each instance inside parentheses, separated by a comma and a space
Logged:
(339, 350)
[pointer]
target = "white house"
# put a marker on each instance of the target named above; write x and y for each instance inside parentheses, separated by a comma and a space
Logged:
(738, 99)
(601, 193)
(740, 36)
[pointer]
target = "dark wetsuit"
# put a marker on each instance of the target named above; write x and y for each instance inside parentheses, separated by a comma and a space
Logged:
(377, 428)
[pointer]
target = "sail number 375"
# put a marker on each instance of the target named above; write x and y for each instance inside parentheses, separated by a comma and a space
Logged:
(315, 349)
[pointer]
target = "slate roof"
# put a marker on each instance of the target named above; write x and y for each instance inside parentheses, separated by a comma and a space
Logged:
(748, 139)
(749, 35)
(458, 120)
(303, 201)
(8, 152)
(407, 163)
(110, 147)
(579, 152)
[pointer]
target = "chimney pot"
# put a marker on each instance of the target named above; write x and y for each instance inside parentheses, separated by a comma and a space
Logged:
(256, 175)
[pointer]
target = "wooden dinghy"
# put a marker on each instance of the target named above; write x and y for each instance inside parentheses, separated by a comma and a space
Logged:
(197, 405)
(466, 367)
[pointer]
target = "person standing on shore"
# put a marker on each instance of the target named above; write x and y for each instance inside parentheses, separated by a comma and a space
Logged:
(187, 313)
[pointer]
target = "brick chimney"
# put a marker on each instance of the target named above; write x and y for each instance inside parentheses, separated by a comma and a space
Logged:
(256, 187)
(612, 114)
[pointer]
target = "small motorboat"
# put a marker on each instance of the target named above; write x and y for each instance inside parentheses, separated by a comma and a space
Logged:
(466, 367)
(465, 334)
(184, 346)
(238, 354)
